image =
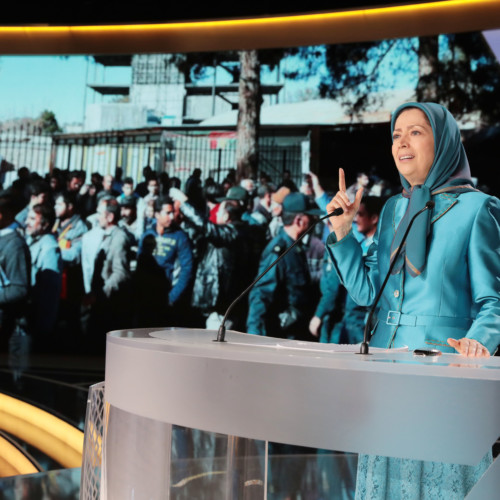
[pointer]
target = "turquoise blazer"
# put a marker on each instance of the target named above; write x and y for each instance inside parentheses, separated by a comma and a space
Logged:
(458, 293)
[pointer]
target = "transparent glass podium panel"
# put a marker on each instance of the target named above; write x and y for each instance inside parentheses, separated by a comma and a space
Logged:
(54, 484)
(310, 474)
(144, 458)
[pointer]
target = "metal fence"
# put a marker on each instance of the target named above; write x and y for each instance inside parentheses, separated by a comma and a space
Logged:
(175, 151)
(25, 145)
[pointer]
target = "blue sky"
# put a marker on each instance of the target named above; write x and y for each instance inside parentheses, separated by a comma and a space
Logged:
(30, 84)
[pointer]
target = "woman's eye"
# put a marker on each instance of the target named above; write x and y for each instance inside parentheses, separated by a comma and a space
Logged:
(395, 136)
(415, 132)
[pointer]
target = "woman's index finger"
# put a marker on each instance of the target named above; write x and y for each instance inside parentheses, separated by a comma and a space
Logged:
(341, 180)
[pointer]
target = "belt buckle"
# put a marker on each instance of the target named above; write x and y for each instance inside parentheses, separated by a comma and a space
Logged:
(393, 318)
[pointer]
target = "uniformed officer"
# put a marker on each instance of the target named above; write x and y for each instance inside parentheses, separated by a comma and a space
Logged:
(280, 304)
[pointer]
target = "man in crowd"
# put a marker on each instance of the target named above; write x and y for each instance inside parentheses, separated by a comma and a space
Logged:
(288, 182)
(194, 190)
(127, 189)
(91, 242)
(56, 183)
(249, 186)
(128, 217)
(39, 193)
(362, 181)
(107, 188)
(280, 304)
(225, 266)
(117, 184)
(366, 219)
(262, 213)
(46, 274)
(69, 229)
(111, 280)
(76, 180)
(153, 188)
(165, 265)
(142, 187)
(87, 197)
(15, 268)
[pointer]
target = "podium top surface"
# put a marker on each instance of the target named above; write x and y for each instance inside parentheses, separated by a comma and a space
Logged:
(257, 349)
(444, 408)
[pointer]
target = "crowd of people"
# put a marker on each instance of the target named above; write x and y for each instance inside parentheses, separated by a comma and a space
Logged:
(80, 259)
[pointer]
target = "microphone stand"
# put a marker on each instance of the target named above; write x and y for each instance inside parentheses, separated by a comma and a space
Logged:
(222, 329)
(364, 345)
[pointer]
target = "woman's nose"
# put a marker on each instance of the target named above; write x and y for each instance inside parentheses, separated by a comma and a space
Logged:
(403, 141)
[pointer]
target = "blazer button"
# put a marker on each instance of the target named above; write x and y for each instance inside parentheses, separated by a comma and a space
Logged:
(396, 293)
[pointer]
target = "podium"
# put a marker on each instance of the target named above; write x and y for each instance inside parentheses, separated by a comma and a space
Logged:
(160, 382)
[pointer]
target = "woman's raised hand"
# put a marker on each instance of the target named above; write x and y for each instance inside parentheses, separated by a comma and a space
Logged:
(341, 224)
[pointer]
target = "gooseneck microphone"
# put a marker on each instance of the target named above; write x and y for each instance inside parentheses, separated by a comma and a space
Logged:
(364, 345)
(222, 329)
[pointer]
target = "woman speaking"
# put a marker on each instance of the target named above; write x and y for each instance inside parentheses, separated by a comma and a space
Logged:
(444, 289)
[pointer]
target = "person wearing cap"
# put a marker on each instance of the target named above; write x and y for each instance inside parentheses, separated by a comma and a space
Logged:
(225, 265)
(280, 304)
(128, 217)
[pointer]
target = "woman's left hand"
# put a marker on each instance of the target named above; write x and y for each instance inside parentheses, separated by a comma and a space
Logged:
(469, 347)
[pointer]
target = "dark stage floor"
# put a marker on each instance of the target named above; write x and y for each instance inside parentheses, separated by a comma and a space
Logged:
(58, 384)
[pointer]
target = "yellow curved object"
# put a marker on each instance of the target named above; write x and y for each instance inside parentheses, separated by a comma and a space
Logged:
(47, 433)
(419, 19)
(13, 461)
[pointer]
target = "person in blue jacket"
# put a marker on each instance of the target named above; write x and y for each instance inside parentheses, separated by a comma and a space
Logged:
(165, 261)
(444, 289)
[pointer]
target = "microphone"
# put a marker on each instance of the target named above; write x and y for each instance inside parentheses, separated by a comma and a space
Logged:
(335, 213)
(222, 329)
(364, 345)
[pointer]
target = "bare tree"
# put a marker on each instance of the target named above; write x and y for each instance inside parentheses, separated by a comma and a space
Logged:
(250, 100)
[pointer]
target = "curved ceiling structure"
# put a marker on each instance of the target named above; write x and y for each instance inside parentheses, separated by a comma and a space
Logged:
(47, 433)
(341, 26)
